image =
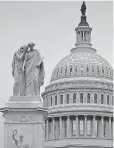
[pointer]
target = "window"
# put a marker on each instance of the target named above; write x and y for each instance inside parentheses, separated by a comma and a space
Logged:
(64, 128)
(107, 99)
(67, 98)
(51, 101)
(102, 69)
(81, 69)
(74, 98)
(71, 68)
(89, 127)
(76, 68)
(73, 127)
(95, 98)
(87, 68)
(55, 100)
(88, 98)
(92, 68)
(66, 70)
(81, 98)
(102, 99)
(81, 127)
(61, 99)
(50, 130)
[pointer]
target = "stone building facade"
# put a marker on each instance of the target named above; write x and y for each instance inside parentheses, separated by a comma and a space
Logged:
(79, 98)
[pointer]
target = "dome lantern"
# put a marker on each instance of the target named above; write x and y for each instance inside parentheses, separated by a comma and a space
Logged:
(83, 31)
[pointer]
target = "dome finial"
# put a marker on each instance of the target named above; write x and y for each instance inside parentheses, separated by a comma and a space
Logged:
(83, 8)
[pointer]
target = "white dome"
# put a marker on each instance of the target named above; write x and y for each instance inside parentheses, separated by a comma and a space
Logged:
(84, 62)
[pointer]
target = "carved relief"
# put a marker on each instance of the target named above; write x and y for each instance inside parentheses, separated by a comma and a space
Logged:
(20, 119)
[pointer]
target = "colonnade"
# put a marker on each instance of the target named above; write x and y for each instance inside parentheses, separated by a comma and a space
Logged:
(79, 126)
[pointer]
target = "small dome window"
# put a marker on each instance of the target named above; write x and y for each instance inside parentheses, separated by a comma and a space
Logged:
(102, 69)
(67, 101)
(61, 99)
(88, 98)
(74, 98)
(81, 98)
(51, 101)
(102, 99)
(95, 98)
(92, 68)
(107, 99)
(55, 100)
(81, 69)
(71, 68)
(76, 68)
(87, 68)
(66, 70)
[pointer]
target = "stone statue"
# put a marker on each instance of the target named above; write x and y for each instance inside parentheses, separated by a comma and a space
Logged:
(34, 71)
(18, 71)
(19, 143)
(83, 8)
(28, 71)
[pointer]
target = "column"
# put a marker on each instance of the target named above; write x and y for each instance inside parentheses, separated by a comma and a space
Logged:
(77, 126)
(60, 122)
(68, 126)
(93, 131)
(53, 125)
(85, 126)
(47, 129)
(102, 127)
(109, 127)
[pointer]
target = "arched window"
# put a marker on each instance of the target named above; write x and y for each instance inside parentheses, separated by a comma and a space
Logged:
(51, 101)
(81, 98)
(88, 98)
(61, 99)
(67, 99)
(55, 100)
(107, 99)
(102, 99)
(95, 98)
(74, 98)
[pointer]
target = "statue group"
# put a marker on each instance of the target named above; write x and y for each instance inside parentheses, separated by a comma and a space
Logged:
(28, 71)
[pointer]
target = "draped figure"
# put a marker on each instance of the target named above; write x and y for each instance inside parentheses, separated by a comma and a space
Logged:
(18, 73)
(34, 72)
(28, 71)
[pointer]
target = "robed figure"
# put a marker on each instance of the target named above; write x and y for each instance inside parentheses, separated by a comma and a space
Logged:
(28, 71)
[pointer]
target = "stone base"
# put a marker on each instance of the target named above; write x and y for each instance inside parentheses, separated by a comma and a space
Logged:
(26, 115)
(24, 102)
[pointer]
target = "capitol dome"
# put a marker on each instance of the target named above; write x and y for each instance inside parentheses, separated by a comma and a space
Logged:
(79, 97)
(82, 62)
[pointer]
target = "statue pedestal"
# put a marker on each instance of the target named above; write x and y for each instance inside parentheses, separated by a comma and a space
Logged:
(26, 115)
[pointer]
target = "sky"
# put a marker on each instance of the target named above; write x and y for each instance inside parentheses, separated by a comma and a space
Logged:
(51, 26)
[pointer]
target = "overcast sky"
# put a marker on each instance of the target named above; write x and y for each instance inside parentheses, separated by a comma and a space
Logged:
(51, 25)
